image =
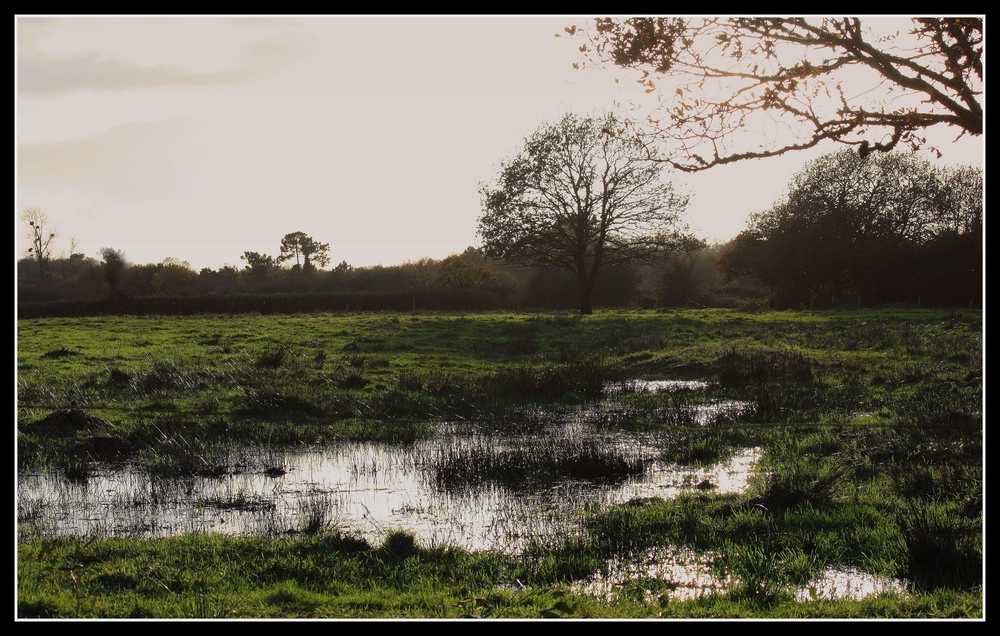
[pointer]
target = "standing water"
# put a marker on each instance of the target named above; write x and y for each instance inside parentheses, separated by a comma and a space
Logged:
(466, 486)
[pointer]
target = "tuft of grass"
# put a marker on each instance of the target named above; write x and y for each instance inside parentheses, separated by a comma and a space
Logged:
(318, 516)
(943, 548)
(789, 486)
(399, 545)
(272, 357)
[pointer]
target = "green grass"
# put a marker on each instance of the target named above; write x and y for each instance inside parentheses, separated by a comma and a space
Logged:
(870, 422)
(332, 576)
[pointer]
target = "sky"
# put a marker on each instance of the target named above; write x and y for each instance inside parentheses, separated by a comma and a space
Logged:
(200, 138)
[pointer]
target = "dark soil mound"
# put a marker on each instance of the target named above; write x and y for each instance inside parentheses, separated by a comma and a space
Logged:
(64, 423)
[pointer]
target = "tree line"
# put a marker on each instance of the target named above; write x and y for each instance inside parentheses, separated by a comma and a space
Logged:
(466, 280)
(889, 228)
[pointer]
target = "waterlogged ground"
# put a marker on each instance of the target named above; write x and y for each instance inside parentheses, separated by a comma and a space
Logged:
(468, 485)
(430, 488)
(871, 425)
(369, 489)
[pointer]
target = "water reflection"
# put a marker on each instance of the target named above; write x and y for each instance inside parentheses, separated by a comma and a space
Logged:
(675, 574)
(655, 386)
(368, 489)
(848, 584)
(678, 574)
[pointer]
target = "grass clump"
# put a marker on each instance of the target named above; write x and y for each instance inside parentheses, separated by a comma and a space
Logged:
(485, 460)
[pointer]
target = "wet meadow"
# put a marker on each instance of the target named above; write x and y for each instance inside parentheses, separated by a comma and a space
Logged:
(641, 464)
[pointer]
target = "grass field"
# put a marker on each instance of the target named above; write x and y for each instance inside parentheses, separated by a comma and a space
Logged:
(870, 424)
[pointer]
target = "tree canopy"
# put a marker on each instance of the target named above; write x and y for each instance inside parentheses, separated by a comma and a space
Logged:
(312, 252)
(258, 265)
(877, 228)
(114, 265)
(739, 88)
(580, 199)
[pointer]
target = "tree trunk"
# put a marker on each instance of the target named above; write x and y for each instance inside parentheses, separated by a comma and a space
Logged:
(586, 304)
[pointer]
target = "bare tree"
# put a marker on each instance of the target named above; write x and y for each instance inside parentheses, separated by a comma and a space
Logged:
(740, 88)
(581, 199)
(41, 236)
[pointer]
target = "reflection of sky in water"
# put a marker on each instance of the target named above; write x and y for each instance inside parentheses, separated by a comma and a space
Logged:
(679, 574)
(656, 386)
(365, 489)
(835, 585)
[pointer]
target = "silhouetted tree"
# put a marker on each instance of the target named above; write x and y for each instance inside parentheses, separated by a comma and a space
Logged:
(258, 265)
(313, 253)
(960, 204)
(579, 198)
(174, 277)
(41, 235)
(682, 275)
(113, 262)
(741, 88)
(849, 228)
(456, 272)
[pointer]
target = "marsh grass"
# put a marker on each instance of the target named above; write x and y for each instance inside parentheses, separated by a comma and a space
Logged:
(469, 463)
(522, 339)
(777, 382)
(240, 501)
(585, 378)
(78, 471)
(436, 383)
(805, 483)
(399, 545)
(318, 515)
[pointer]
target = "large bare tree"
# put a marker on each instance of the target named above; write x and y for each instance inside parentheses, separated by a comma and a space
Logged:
(580, 197)
(740, 88)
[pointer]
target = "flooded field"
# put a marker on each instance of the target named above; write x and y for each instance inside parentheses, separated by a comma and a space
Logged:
(330, 475)
(466, 486)
(472, 485)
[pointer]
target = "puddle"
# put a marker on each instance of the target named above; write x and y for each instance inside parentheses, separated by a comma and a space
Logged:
(368, 489)
(654, 386)
(849, 584)
(678, 574)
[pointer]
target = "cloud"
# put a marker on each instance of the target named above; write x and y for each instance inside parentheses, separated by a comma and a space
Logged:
(130, 163)
(42, 72)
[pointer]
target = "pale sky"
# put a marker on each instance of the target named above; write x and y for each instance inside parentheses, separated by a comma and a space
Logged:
(202, 137)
